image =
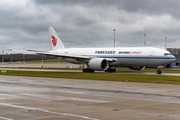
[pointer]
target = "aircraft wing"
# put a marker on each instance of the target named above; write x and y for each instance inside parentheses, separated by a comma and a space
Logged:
(78, 57)
(61, 55)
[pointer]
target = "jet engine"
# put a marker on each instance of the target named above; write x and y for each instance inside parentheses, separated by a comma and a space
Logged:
(98, 64)
(136, 67)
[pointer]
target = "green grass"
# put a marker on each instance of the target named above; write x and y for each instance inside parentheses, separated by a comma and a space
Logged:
(99, 76)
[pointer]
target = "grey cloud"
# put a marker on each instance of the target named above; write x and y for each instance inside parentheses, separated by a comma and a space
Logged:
(145, 6)
(82, 23)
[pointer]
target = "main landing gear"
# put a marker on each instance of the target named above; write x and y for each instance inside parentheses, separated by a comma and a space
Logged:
(110, 70)
(87, 70)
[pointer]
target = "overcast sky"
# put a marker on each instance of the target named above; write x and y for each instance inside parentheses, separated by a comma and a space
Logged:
(89, 23)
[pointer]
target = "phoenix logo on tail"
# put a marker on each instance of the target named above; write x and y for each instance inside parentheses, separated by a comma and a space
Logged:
(54, 40)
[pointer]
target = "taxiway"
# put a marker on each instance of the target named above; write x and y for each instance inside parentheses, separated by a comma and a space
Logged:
(22, 67)
(35, 98)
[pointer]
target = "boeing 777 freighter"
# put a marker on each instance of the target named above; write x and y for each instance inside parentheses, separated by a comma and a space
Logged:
(106, 59)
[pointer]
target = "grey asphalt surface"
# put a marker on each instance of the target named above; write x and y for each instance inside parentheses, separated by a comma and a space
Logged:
(19, 66)
(35, 98)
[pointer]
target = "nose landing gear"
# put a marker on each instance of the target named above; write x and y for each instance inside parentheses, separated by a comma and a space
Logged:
(159, 70)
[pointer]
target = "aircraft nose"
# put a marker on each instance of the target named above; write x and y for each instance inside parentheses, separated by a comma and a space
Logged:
(173, 58)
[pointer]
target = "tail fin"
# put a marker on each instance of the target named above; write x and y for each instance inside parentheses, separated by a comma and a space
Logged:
(55, 40)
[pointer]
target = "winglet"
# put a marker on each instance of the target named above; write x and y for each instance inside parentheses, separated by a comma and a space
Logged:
(55, 40)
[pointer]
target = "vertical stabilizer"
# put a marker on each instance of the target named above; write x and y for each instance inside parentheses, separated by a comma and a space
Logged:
(55, 40)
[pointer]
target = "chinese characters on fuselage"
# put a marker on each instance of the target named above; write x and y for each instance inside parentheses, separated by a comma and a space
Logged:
(120, 52)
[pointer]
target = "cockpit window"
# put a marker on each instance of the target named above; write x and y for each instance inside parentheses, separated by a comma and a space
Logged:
(167, 54)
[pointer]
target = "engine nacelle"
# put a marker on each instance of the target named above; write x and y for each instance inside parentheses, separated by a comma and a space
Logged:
(98, 64)
(136, 67)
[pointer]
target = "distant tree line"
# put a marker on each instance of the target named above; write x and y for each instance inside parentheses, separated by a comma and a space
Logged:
(23, 57)
(175, 51)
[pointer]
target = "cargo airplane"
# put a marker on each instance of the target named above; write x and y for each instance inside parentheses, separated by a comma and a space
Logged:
(106, 59)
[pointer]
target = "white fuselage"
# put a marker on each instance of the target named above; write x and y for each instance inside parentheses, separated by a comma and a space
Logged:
(128, 56)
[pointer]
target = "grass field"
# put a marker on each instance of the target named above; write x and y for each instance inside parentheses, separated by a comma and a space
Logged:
(104, 76)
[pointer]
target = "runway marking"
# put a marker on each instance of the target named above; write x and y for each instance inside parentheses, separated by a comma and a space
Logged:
(47, 111)
(5, 118)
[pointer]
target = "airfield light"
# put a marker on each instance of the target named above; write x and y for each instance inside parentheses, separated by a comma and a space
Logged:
(144, 40)
(42, 58)
(114, 37)
(23, 56)
(165, 42)
(2, 55)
